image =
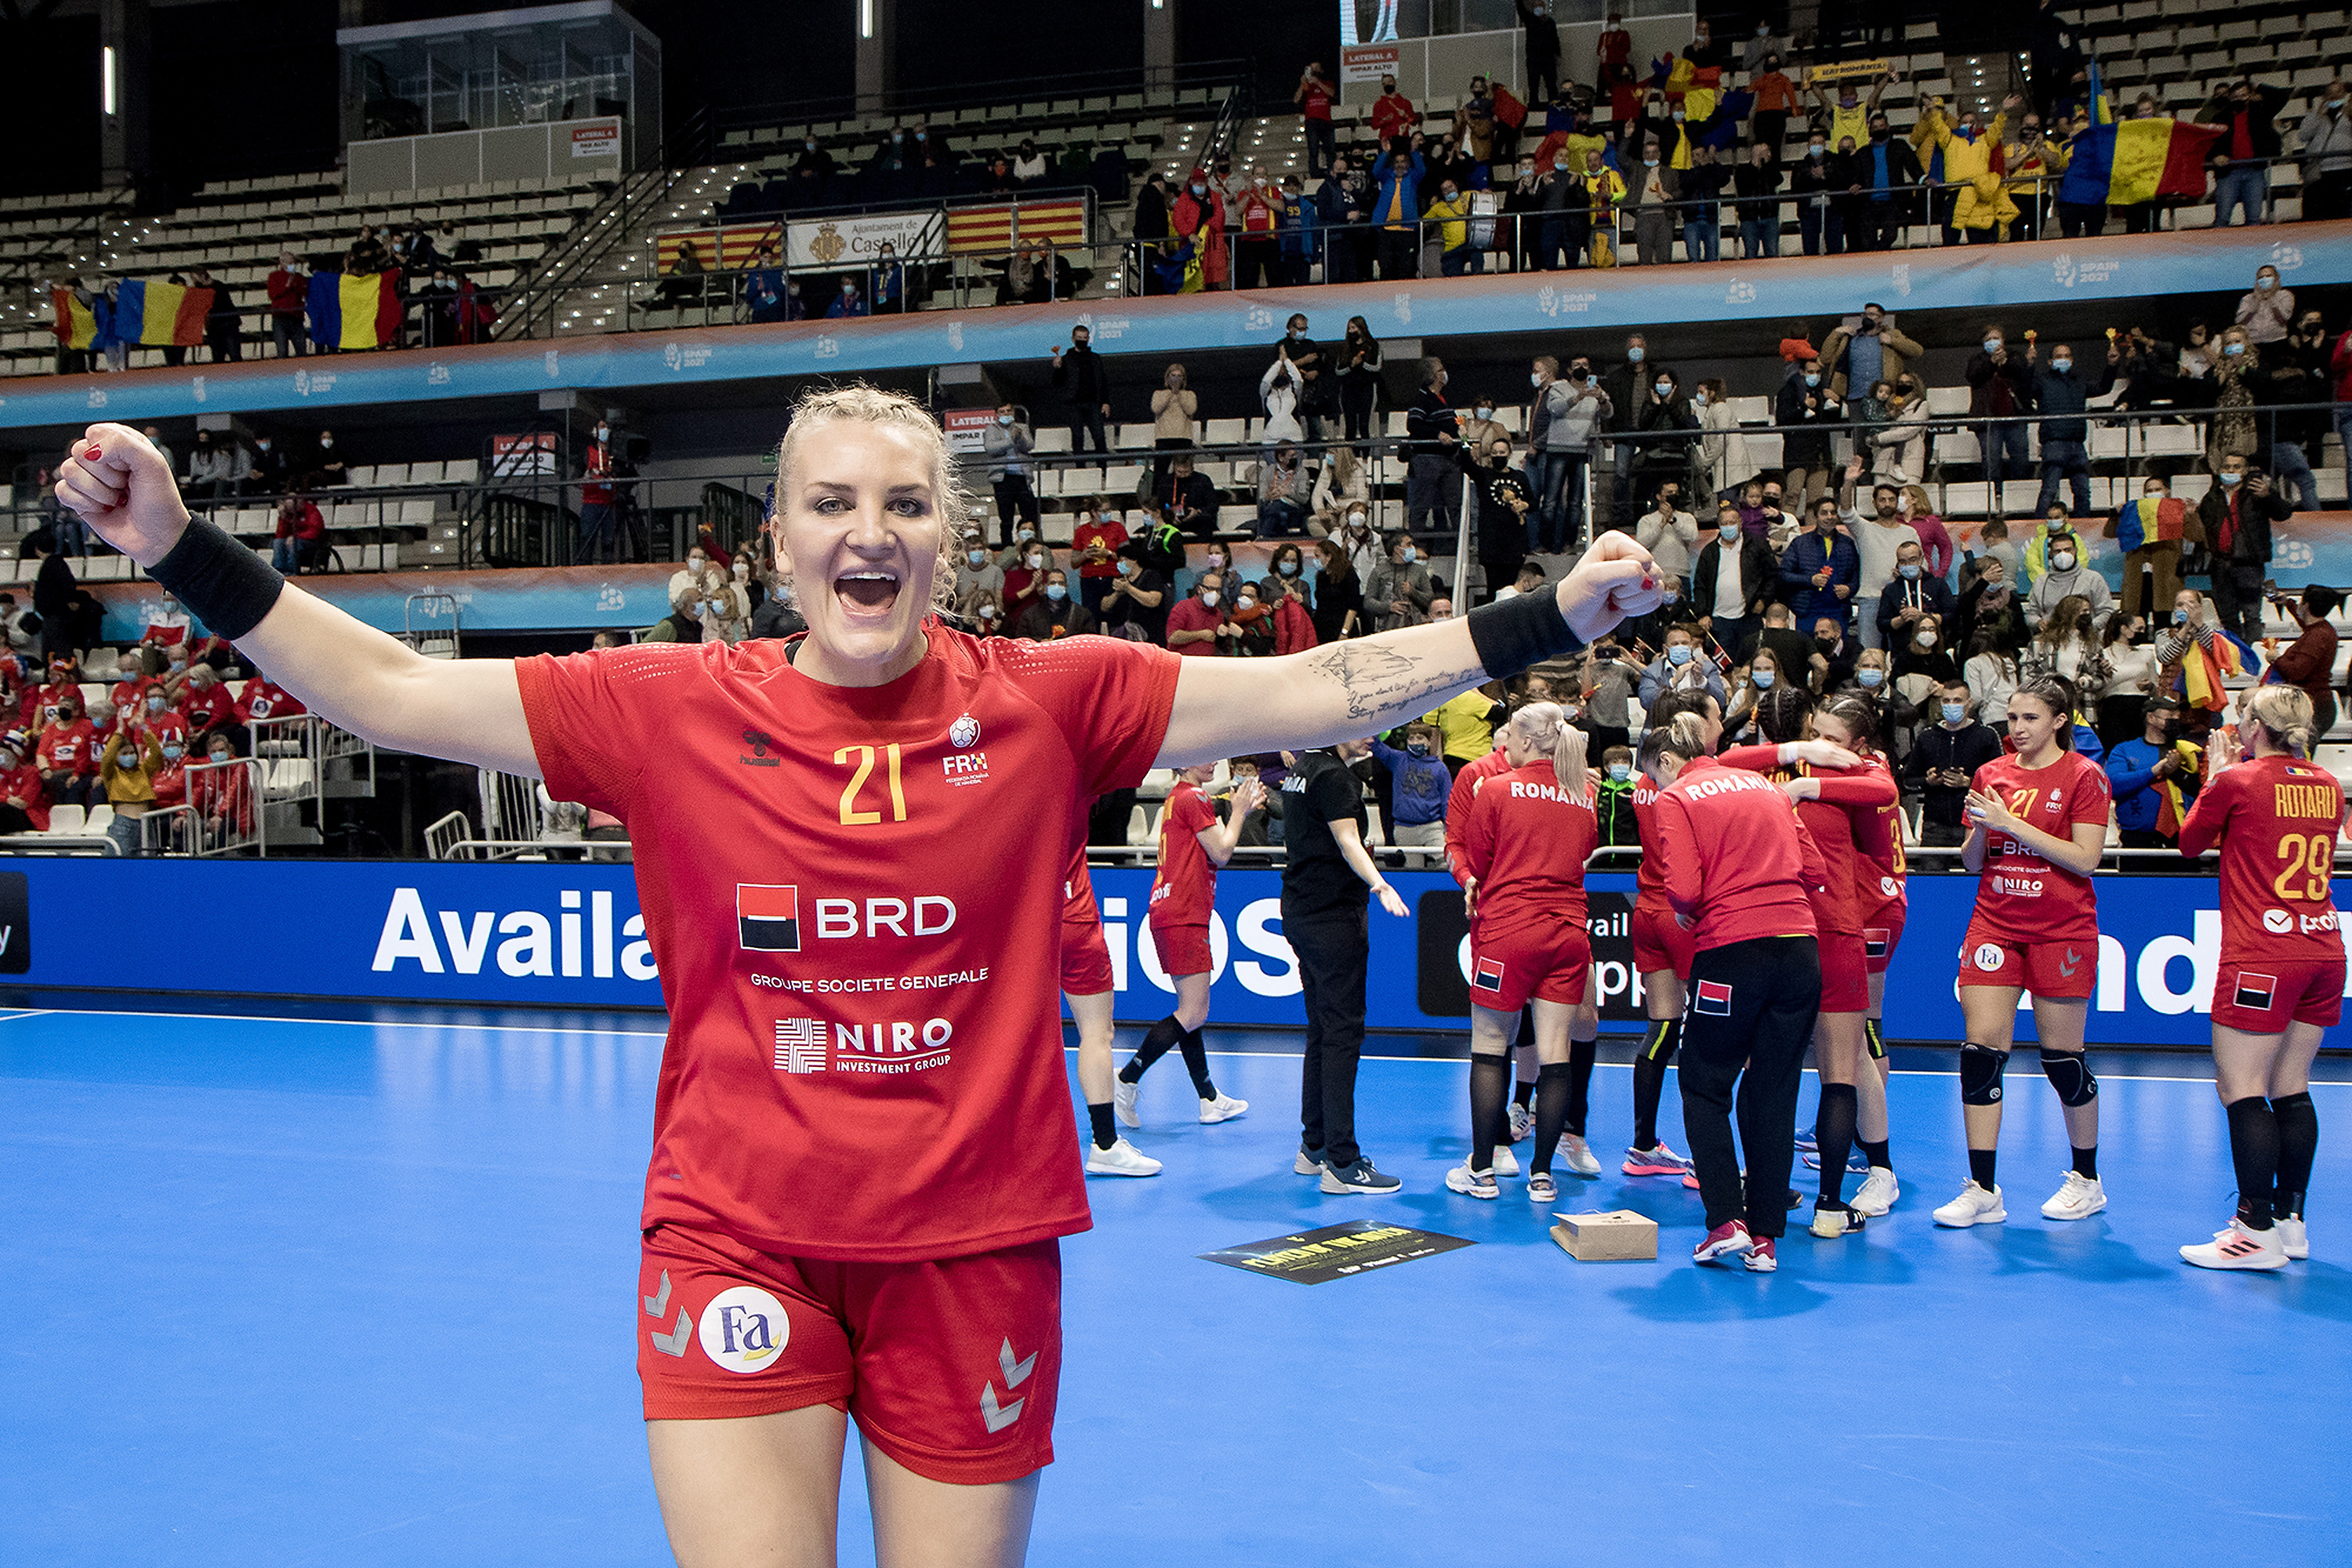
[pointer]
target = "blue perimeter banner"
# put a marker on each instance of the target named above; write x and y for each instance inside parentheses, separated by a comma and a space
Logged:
(572, 936)
(2091, 272)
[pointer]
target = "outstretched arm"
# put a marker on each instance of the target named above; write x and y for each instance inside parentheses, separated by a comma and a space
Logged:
(1351, 689)
(469, 711)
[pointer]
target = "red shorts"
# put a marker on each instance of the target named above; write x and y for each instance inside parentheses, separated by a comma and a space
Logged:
(1085, 958)
(950, 1367)
(1510, 969)
(2263, 997)
(1184, 949)
(1660, 942)
(1845, 973)
(2061, 971)
(1881, 933)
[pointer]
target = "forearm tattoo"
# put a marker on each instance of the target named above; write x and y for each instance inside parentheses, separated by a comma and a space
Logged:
(1380, 683)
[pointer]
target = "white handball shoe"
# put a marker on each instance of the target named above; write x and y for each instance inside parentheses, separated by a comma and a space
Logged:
(1225, 1107)
(2294, 1238)
(1877, 1193)
(1505, 1162)
(1523, 1125)
(2080, 1198)
(1121, 1159)
(1973, 1206)
(1472, 1184)
(1579, 1155)
(1122, 1100)
(2235, 1246)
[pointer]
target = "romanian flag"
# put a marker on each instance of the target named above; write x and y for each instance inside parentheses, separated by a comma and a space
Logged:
(160, 313)
(2150, 521)
(77, 327)
(2102, 112)
(2173, 808)
(2130, 160)
(355, 310)
(2203, 669)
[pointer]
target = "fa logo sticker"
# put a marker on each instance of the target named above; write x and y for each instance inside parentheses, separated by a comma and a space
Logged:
(743, 1329)
(1988, 956)
(964, 732)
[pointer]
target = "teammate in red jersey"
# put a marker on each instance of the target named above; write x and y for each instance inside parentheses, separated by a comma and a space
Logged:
(2039, 819)
(1881, 876)
(1740, 873)
(1529, 831)
(1193, 845)
(1466, 782)
(1662, 955)
(1839, 795)
(2281, 985)
(863, 1154)
(1086, 987)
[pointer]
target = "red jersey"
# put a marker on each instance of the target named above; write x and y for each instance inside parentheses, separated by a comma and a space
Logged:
(1527, 841)
(1649, 877)
(68, 748)
(2021, 896)
(1457, 807)
(2276, 821)
(130, 697)
(1848, 825)
(1078, 906)
(266, 699)
(1184, 889)
(47, 698)
(873, 1071)
(1881, 872)
(208, 706)
(24, 783)
(1736, 864)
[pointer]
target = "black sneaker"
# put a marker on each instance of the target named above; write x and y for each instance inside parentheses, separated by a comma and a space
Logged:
(1307, 1162)
(1360, 1179)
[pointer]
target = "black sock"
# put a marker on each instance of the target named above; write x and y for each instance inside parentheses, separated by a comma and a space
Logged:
(1582, 1055)
(2086, 1162)
(1489, 1079)
(2298, 1142)
(1876, 1153)
(2254, 1151)
(1554, 1087)
(1196, 1062)
(1523, 1093)
(1981, 1167)
(1834, 1128)
(1105, 1133)
(1157, 1044)
(1650, 1078)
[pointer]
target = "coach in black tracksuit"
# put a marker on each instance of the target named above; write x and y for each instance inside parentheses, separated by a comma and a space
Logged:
(1328, 875)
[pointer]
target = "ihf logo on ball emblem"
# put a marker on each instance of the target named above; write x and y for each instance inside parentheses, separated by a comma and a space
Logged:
(966, 766)
(743, 1329)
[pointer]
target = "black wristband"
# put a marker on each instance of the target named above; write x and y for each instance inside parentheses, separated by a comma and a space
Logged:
(224, 584)
(1526, 629)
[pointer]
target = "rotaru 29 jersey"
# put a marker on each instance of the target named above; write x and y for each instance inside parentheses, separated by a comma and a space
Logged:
(2276, 819)
(855, 924)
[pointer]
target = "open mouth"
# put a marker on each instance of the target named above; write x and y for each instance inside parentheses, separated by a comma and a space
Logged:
(869, 593)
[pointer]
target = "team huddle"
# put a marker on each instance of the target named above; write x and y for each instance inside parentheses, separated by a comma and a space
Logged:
(1771, 896)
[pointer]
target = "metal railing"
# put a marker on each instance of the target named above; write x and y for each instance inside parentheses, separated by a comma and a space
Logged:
(222, 812)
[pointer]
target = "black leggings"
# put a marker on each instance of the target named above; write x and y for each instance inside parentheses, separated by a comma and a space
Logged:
(1751, 1005)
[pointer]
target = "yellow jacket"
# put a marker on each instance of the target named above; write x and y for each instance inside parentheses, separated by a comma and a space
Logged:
(2036, 166)
(1448, 216)
(1964, 161)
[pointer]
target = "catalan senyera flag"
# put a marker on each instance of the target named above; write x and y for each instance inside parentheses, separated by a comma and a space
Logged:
(2150, 521)
(161, 314)
(2132, 161)
(76, 326)
(989, 228)
(354, 310)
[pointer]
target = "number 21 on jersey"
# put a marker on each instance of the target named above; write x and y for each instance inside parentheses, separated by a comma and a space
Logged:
(851, 814)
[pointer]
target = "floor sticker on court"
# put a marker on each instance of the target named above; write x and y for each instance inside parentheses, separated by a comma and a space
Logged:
(1335, 1251)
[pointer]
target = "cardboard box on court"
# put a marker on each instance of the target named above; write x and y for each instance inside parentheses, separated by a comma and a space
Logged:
(1619, 1236)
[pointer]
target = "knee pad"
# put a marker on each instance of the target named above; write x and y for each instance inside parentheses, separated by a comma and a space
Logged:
(2071, 1076)
(1981, 1070)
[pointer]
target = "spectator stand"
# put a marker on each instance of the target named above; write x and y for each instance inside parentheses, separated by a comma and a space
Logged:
(306, 761)
(520, 822)
(224, 813)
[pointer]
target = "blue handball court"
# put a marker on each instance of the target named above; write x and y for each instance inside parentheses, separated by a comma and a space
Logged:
(357, 1287)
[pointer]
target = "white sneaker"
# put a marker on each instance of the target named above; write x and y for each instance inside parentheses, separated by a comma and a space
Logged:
(1225, 1107)
(1505, 1162)
(2080, 1198)
(1523, 1125)
(2294, 1238)
(2235, 1246)
(1542, 1189)
(1121, 1159)
(1472, 1184)
(1973, 1206)
(1579, 1155)
(1122, 1100)
(1877, 1193)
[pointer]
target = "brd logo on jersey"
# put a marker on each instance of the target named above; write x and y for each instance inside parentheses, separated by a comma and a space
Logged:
(743, 1329)
(768, 919)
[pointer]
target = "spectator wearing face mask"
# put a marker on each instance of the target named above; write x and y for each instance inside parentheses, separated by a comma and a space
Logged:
(1432, 489)
(1421, 783)
(976, 570)
(1095, 541)
(2062, 394)
(2247, 113)
(1449, 218)
(2137, 774)
(1668, 532)
(2327, 156)
(1053, 614)
(987, 616)
(1399, 592)
(1944, 758)
(2059, 563)
(2309, 662)
(1816, 181)
(1199, 216)
(683, 622)
(1024, 579)
(67, 756)
(127, 771)
(2295, 372)
(778, 617)
(725, 610)
(1913, 597)
(1339, 611)
(1652, 187)
(1195, 625)
(1502, 502)
(2000, 385)
(1682, 668)
(23, 795)
(1087, 380)
(1188, 500)
(1342, 483)
(1249, 629)
(300, 542)
(1004, 445)
(1809, 412)
(1924, 651)
(1136, 605)
(1880, 538)
(203, 698)
(1732, 582)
